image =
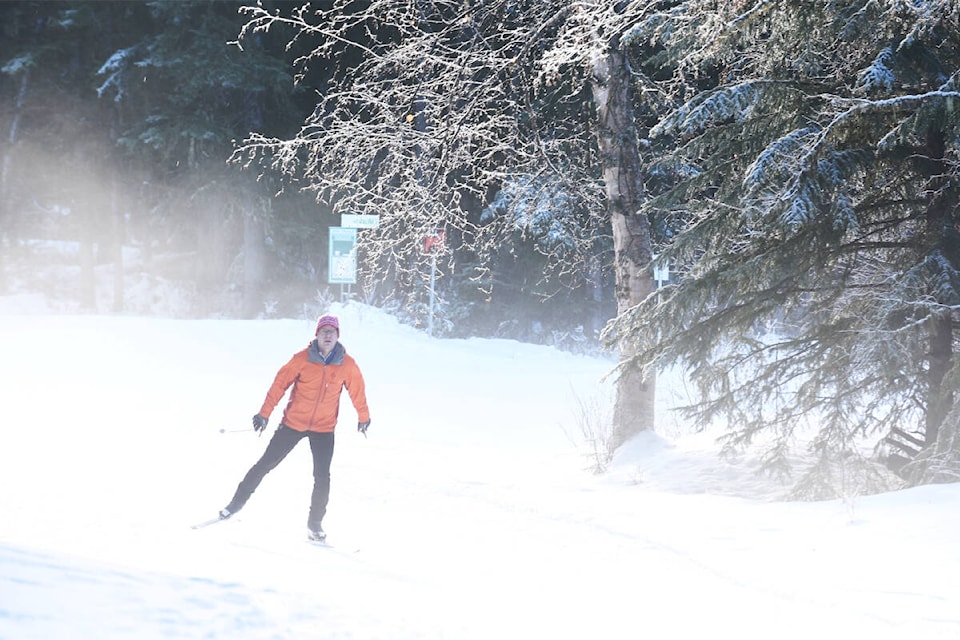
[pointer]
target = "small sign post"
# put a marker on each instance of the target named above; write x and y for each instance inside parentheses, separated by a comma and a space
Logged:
(661, 271)
(432, 244)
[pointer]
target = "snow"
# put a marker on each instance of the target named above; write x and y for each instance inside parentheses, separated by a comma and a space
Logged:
(469, 512)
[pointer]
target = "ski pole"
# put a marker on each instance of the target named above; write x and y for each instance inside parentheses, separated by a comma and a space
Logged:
(234, 430)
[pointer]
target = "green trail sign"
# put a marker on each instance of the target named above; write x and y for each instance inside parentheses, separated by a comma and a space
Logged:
(342, 260)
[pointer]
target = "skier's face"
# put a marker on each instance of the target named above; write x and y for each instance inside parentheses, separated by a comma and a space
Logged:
(327, 339)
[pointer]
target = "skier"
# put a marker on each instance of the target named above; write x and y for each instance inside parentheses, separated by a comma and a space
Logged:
(317, 374)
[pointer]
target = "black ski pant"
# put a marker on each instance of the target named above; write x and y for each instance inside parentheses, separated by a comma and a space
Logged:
(283, 441)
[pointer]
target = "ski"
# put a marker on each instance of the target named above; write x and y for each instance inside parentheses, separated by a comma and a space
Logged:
(207, 523)
(341, 550)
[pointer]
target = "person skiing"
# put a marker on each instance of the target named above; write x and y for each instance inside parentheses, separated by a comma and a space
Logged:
(317, 374)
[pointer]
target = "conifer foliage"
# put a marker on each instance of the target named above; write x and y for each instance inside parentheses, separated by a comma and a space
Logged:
(809, 163)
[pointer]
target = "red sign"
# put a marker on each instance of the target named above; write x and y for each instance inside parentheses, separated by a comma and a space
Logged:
(433, 241)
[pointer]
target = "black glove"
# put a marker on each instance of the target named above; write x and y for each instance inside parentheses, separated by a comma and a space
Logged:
(259, 423)
(362, 427)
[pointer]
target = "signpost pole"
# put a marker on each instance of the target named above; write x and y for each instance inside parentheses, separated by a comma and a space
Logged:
(433, 295)
(432, 244)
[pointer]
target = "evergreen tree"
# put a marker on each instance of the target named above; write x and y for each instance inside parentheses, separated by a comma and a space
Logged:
(119, 123)
(184, 94)
(810, 159)
(56, 160)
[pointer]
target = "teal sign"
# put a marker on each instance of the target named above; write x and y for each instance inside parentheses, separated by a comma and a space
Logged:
(342, 258)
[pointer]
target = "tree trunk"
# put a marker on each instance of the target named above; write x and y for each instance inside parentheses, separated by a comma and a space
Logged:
(610, 82)
(940, 398)
(88, 262)
(939, 457)
(594, 279)
(119, 232)
(946, 233)
(254, 262)
(6, 199)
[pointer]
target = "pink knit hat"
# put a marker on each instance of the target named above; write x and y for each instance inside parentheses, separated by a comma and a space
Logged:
(328, 321)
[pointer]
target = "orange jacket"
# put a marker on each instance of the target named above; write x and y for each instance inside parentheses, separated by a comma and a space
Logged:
(317, 382)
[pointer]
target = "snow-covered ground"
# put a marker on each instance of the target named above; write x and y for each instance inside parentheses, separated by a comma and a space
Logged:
(469, 512)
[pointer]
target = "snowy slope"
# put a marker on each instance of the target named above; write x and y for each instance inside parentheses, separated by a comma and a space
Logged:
(469, 512)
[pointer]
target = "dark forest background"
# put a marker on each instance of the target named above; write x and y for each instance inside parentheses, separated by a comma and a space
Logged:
(117, 192)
